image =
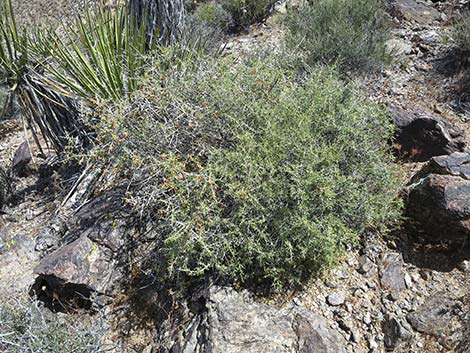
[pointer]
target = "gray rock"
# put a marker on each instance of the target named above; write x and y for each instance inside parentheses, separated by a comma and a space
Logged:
(234, 322)
(411, 10)
(421, 135)
(394, 332)
(336, 298)
(391, 274)
(365, 265)
(398, 46)
(438, 316)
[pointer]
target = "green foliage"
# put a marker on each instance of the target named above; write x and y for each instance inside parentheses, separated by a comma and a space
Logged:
(229, 15)
(25, 327)
(254, 171)
(214, 15)
(55, 115)
(246, 12)
(13, 47)
(460, 35)
(104, 60)
(351, 34)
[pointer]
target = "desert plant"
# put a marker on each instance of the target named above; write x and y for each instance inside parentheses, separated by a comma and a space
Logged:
(25, 327)
(246, 12)
(163, 19)
(54, 114)
(252, 170)
(214, 15)
(351, 34)
(460, 35)
(105, 59)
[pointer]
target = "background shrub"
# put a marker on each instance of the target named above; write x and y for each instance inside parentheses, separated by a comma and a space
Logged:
(214, 15)
(349, 33)
(246, 12)
(253, 171)
(460, 35)
(26, 327)
(231, 15)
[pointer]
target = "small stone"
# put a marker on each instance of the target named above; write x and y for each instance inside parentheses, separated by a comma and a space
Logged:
(373, 343)
(336, 298)
(392, 277)
(408, 281)
(355, 336)
(464, 266)
(358, 293)
(331, 284)
(367, 319)
(424, 274)
(365, 265)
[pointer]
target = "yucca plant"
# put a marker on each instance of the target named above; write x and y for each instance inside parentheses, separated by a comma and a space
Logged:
(102, 57)
(164, 19)
(53, 114)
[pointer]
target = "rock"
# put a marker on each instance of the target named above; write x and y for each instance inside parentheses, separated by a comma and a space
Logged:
(336, 298)
(398, 47)
(408, 280)
(69, 276)
(421, 135)
(394, 332)
(438, 208)
(411, 10)
(365, 265)
(456, 164)
(391, 272)
(86, 263)
(234, 322)
(21, 159)
(439, 316)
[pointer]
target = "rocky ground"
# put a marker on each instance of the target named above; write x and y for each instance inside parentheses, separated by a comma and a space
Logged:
(408, 293)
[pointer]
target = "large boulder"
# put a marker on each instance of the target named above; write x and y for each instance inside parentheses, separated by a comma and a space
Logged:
(441, 316)
(421, 135)
(86, 268)
(438, 201)
(234, 322)
(414, 11)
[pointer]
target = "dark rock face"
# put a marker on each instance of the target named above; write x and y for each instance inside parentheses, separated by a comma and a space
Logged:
(88, 263)
(456, 164)
(233, 321)
(421, 135)
(21, 159)
(440, 316)
(439, 206)
(412, 10)
(68, 277)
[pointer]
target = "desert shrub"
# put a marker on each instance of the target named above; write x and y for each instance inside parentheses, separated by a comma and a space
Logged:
(349, 33)
(27, 328)
(214, 15)
(232, 15)
(252, 170)
(460, 36)
(246, 12)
